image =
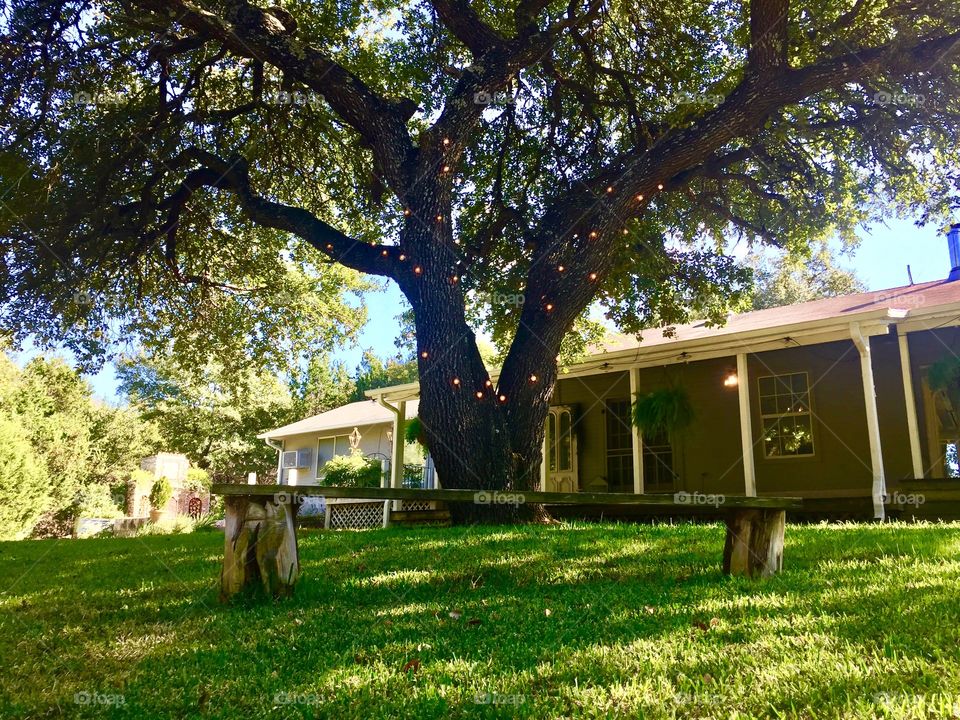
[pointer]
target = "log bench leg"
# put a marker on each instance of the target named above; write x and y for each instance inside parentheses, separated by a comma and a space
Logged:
(259, 546)
(754, 544)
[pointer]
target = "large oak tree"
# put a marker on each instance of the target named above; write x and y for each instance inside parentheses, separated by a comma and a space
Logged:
(507, 163)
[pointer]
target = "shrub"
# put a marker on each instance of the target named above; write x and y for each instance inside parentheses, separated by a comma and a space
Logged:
(168, 526)
(160, 493)
(352, 470)
(96, 501)
(24, 486)
(198, 480)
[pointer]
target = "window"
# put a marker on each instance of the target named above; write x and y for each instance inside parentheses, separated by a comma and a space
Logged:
(619, 446)
(658, 473)
(785, 410)
(328, 447)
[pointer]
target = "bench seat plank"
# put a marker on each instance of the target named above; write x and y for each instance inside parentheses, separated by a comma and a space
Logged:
(486, 497)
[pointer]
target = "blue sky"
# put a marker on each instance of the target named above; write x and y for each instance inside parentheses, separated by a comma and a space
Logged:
(881, 262)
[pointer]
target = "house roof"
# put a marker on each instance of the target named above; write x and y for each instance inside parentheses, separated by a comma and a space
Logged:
(345, 417)
(845, 307)
(912, 307)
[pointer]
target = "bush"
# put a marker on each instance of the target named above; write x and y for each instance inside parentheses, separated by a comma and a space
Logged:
(96, 501)
(352, 470)
(198, 480)
(160, 494)
(168, 526)
(24, 486)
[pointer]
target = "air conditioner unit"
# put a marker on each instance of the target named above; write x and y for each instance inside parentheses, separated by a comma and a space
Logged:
(290, 459)
(304, 458)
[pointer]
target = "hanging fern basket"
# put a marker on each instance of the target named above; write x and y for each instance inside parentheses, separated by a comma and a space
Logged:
(666, 411)
(413, 432)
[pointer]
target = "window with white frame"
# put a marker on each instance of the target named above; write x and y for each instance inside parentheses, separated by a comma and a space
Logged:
(330, 446)
(786, 416)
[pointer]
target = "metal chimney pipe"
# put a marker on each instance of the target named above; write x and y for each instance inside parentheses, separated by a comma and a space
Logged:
(953, 243)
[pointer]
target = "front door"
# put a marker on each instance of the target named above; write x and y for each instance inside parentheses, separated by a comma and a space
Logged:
(560, 448)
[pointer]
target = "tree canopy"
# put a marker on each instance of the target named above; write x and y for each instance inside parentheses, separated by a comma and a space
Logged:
(217, 174)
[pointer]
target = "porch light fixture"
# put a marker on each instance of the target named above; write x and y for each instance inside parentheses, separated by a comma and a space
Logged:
(730, 379)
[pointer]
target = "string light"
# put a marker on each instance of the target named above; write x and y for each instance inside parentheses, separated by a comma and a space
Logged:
(456, 382)
(560, 268)
(446, 168)
(503, 398)
(626, 232)
(402, 256)
(446, 141)
(659, 186)
(487, 383)
(454, 278)
(609, 188)
(639, 198)
(593, 233)
(549, 307)
(329, 246)
(424, 354)
(533, 378)
(406, 212)
(593, 276)
(439, 218)
(417, 270)
(479, 394)
(384, 253)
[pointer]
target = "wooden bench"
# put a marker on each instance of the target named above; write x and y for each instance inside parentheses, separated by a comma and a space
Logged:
(260, 538)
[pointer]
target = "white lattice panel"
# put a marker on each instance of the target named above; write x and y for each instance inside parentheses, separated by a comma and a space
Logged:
(356, 516)
(415, 505)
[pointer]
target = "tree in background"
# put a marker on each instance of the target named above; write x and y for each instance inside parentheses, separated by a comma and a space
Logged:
(63, 452)
(375, 372)
(208, 414)
(215, 174)
(790, 279)
(24, 483)
(320, 386)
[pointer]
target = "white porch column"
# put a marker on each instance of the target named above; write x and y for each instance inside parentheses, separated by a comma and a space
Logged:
(746, 427)
(635, 434)
(911, 403)
(873, 420)
(396, 457)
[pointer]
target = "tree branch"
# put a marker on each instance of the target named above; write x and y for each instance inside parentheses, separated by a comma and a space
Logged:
(269, 36)
(466, 25)
(233, 177)
(768, 35)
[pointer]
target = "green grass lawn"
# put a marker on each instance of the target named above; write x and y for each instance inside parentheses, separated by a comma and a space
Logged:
(572, 621)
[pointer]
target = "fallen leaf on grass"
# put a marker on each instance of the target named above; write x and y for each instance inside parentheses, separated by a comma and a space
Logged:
(700, 625)
(456, 614)
(411, 665)
(548, 612)
(474, 621)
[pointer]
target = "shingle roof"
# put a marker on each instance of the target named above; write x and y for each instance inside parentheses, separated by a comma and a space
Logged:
(909, 297)
(345, 417)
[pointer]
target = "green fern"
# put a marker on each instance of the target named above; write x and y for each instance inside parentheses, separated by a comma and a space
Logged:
(665, 411)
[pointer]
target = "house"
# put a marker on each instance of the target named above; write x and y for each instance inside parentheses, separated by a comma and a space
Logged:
(366, 426)
(829, 400)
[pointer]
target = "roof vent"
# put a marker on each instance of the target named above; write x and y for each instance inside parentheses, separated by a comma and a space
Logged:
(953, 242)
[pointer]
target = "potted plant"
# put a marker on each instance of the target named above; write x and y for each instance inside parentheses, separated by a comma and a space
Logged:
(663, 412)
(160, 495)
